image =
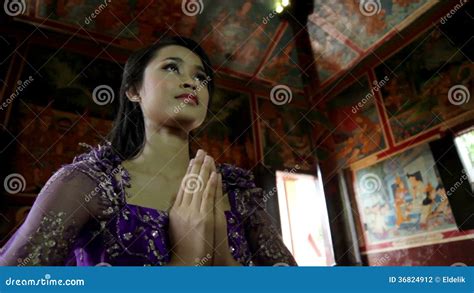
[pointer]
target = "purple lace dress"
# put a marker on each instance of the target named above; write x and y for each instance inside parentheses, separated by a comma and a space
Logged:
(62, 227)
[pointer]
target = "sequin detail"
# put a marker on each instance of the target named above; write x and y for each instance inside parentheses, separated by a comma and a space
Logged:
(139, 236)
(52, 240)
(236, 237)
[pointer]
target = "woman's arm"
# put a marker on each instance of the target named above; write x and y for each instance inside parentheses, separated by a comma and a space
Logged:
(265, 241)
(61, 209)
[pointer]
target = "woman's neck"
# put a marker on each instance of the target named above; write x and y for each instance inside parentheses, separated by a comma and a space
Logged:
(166, 152)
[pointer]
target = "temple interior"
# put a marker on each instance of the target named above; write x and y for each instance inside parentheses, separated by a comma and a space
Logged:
(355, 117)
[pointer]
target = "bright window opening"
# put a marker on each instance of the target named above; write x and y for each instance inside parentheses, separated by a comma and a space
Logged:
(304, 219)
(465, 145)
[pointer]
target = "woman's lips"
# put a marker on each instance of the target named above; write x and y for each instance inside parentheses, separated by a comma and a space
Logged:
(189, 98)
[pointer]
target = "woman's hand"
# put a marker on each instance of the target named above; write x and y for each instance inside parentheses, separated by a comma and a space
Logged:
(192, 216)
(222, 257)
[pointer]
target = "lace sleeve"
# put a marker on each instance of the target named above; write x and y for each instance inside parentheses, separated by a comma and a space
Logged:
(62, 207)
(247, 201)
(265, 241)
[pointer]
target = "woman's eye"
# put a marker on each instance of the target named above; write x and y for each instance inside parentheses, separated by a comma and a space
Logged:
(171, 67)
(200, 77)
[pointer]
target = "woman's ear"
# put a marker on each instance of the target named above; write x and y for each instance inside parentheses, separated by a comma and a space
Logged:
(133, 95)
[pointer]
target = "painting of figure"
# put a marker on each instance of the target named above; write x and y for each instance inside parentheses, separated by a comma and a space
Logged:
(357, 129)
(403, 197)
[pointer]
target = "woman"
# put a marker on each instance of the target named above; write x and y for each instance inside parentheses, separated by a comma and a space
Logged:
(138, 199)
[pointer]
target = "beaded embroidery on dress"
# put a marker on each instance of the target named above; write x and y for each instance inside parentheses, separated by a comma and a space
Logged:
(135, 235)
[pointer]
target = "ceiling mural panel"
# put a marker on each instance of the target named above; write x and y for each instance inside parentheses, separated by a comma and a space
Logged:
(239, 35)
(331, 56)
(343, 32)
(283, 66)
(366, 24)
(233, 33)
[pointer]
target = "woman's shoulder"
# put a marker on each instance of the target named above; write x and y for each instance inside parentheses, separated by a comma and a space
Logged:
(100, 158)
(234, 176)
(83, 168)
(100, 163)
(101, 166)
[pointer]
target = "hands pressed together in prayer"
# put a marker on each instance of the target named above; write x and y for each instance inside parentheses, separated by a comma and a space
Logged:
(198, 227)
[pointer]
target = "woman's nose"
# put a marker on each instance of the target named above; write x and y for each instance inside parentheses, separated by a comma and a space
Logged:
(188, 84)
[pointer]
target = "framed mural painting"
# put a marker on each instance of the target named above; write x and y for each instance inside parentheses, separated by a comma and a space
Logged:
(357, 130)
(425, 92)
(402, 202)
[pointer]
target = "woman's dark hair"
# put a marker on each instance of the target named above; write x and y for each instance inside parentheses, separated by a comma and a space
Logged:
(128, 132)
(427, 199)
(417, 176)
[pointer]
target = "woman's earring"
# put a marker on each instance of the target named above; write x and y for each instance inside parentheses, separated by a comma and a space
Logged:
(136, 98)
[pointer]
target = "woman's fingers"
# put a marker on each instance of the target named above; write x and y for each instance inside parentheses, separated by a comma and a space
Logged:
(208, 199)
(179, 197)
(220, 200)
(206, 169)
(191, 182)
(203, 178)
(219, 187)
(213, 166)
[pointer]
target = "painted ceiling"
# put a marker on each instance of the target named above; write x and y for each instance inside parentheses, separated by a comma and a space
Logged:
(244, 38)
(343, 32)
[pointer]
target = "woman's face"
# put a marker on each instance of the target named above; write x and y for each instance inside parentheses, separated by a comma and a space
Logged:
(174, 71)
